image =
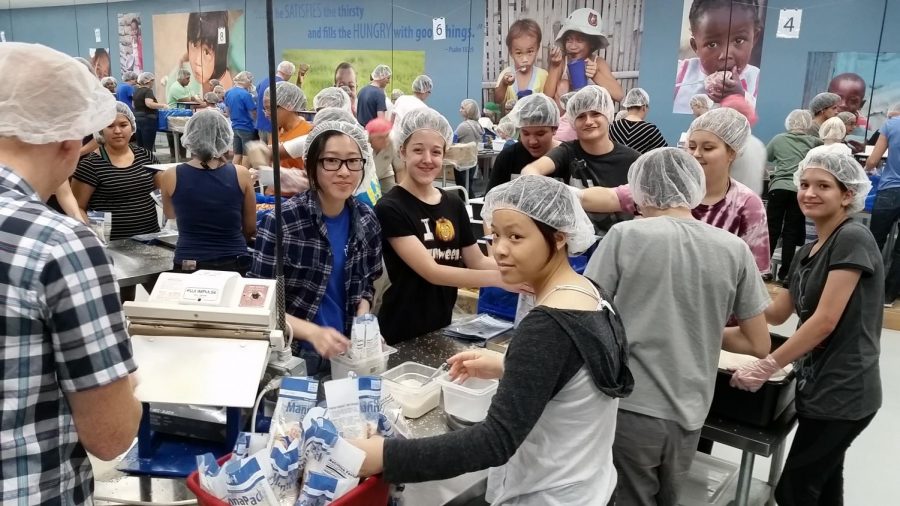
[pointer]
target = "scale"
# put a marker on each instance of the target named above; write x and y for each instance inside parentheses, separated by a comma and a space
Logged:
(201, 339)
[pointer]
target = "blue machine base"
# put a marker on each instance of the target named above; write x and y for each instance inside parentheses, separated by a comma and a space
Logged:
(172, 456)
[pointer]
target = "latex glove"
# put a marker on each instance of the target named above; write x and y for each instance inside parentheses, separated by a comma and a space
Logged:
(293, 180)
(556, 56)
(752, 376)
(590, 68)
(484, 364)
(328, 342)
(374, 448)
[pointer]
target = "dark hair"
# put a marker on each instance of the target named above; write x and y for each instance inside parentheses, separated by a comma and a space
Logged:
(549, 235)
(312, 158)
(523, 27)
(595, 42)
(203, 29)
(701, 7)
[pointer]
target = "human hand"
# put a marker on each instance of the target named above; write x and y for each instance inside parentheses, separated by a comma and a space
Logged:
(752, 376)
(374, 448)
(293, 180)
(508, 77)
(590, 67)
(328, 342)
(556, 56)
(254, 175)
(484, 364)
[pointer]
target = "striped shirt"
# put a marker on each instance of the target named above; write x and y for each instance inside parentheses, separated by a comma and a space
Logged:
(122, 191)
(741, 212)
(64, 332)
(640, 136)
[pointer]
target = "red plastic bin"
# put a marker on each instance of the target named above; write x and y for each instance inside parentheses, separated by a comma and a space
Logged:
(373, 491)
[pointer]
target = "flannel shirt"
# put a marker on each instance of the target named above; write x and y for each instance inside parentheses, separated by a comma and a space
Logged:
(308, 258)
(64, 332)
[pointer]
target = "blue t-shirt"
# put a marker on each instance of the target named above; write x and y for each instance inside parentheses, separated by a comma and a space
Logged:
(262, 122)
(890, 175)
(125, 94)
(240, 106)
(371, 100)
(331, 310)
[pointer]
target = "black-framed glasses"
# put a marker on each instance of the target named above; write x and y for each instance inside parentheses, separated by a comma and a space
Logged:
(335, 164)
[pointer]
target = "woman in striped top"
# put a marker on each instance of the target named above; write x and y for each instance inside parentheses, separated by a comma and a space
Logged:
(115, 179)
(632, 130)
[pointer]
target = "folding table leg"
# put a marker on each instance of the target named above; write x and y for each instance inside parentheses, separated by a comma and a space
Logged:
(745, 476)
(775, 468)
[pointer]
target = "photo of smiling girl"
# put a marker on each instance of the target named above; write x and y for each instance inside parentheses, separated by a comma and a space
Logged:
(723, 35)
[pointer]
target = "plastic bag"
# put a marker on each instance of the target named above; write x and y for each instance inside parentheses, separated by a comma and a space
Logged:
(295, 398)
(211, 476)
(365, 337)
(318, 490)
(101, 224)
(369, 398)
(285, 479)
(248, 483)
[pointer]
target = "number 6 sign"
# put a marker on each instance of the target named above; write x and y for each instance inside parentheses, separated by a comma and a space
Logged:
(789, 24)
(440, 29)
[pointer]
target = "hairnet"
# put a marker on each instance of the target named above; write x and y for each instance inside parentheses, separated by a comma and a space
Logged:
(798, 120)
(847, 117)
(219, 89)
(469, 108)
(422, 84)
(286, 67)
(621, 114)
(667, 177)
(823, 101)
(108, 79)
(701, 100)
(215, 83)
(129, 76)
(210, 97)
(334, 114)
(833, 129)
(381, 72)
(244, 77)
(146, 78)
(725, 123)
(38, 111)
(636, 97)
(845, 169)
(396, 94)
(536, 109)
(331, 97)
(288, 95)
(564, 98)
(352, 130)
(545, 200)
(590, 98)
(208, 134)
(123, 109)
(183, 73)
(508, 106)
(379, 126)
(506, 126)
(424, 119)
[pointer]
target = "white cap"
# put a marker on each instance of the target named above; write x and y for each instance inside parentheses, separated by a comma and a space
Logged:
(590, 98)
(636, 97)
(586, 21)
(845, 169)
(37, 110)
(667, 177)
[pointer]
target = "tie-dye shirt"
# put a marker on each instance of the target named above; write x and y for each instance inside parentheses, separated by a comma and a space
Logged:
(741, 212)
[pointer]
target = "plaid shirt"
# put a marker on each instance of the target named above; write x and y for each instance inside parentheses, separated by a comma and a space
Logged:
(64, 332)
(308, 258)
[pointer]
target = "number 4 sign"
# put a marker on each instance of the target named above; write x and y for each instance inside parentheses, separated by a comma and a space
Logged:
(789, 24)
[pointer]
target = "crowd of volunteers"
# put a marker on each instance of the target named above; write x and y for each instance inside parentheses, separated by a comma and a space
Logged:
(607, 383)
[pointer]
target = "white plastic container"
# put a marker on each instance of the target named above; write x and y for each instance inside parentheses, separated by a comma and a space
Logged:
(409, 385)
(341, 365)
(497, 144)
(469, 401)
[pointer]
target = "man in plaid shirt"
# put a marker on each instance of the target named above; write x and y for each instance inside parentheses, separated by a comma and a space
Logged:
(65, 359)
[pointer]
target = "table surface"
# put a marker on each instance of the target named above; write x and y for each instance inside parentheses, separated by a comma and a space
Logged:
(758, 440)
(136, 262)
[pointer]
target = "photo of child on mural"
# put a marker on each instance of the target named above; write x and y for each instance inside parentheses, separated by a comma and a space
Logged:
(721, 44)
(131, 43)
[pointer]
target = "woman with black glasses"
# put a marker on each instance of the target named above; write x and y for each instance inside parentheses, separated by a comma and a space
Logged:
(332, 245)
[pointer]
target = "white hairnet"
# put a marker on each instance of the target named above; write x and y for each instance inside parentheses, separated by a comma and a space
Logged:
(823, 101)
(422, 84)
(725, 123)
(123, 109)
(129, 76)
(288, 95)
(798, 120)
(667, 177)
(506, 127)
(564, 98)
(352, 130)
(424, 119)
(334, 114)
(396, 94)
(108, 79)
(146, 78)
(469, 108)
(701, 100)
(536, 109)
(208, 134)
(331, 97)
(845, 169)
(590, 98)
(381, 72)
(833, 129)
(286, 67)
(545, 200)
(847, 117)
(636, 97)
(36, 110)
(244, 77)
(210, 97)
(621, 114)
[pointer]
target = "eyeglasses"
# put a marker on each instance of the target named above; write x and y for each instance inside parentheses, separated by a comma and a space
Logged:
(335, 164)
